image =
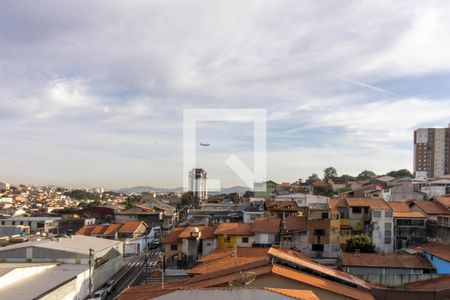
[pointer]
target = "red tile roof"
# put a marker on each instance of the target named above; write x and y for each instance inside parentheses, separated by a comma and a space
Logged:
(374, 203)
(99, 229)
(173, 236)
(318, 268)
(296, 223)
(437, 249)
(444, 200)
(409, 215)
(266, 225)
(239, 252)
(131, 226)
(112, 229)
(289, 205)
(322, 283)
(85, 230)
(234, 229)
(399, 206)
(434, 284)
(206, 232)
(378, 260)
(432, 207)
(224, 263)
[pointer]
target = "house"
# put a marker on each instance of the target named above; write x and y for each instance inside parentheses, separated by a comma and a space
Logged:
(406, 190)
(266, 231)
(150, 216)
(173, 246)
(374, 217)
(169, 212)
(279, 269)
(294, 233)
(282, 209)
(100, 213)
(323, 231)
(133, 234)
(409, 226)
(197, 241)
(265, 189)
(384, 264)
(438, 254)
(230, 235)
(36, 224)
(432, 209)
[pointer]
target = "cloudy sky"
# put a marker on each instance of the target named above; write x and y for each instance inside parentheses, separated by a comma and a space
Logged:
(92, 93)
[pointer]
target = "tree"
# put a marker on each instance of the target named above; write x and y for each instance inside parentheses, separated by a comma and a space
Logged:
(329, 173)
(366, 175)
(311, 179)
(188, 199)
(360, 242)
(400, 173)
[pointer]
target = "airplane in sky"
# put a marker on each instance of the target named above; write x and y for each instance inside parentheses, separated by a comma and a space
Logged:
(204, 145)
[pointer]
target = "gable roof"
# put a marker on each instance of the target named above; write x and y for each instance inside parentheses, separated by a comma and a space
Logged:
(206, 232)
(374, 203)
(99, 229)
(290, 205)
(399, 206)
(85, 230)
(434, 284)
(319, 269)
(266, 225)
(234, 229)
(112, 229)
(387, 260)
(431, 207)
(225, 263)
(173, 236)
(238, 252)
(444, 201)
(131, 226)
(437, 249)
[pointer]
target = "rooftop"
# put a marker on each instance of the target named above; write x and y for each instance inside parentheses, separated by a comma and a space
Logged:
(432, 207)
(378, 260)
(234, 229)
(373, 203)
(206, 232)
(266, 225)
(238, 252)
(437, 249)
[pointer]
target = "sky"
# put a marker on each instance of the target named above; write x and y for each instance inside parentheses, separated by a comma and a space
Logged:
(92, 93)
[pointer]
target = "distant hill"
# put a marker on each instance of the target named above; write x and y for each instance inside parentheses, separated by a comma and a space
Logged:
(141, 189)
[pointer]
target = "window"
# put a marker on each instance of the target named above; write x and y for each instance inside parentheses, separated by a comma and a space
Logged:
(324, 215)
(376, 214)
(174, 247)
(319, 232)
(388, 213)
(227, 239)
(387, 233)
(245, 240)
(356, 210)
(317, 247)
(13, 222)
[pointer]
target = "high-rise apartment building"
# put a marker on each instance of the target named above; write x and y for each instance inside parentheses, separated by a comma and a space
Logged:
(432, 152)
(197, 184)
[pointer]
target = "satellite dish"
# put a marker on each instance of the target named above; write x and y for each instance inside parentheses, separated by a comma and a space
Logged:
(245, 279)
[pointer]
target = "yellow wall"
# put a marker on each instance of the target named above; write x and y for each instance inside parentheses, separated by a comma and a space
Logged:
(221, 242)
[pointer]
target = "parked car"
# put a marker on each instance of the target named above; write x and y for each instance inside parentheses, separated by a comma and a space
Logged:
(98, 295)
(154, 244)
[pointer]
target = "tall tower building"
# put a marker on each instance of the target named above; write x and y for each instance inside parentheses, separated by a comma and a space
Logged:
(197, 184)
(432, 152)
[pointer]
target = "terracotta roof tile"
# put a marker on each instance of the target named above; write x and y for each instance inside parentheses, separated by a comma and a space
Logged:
(444, 200)
(374, 203)
(234, 229)
(317, 268)
(432, 207)
(112, 229)
(378, 260)
(295, 294)
(207, 232)
(322, 283)
(266, 225)
(434, 284)
(399, 206)
(239, 252)
(99, 229)
(85, 230)
(437, 249)
(223, 263)
(409, 215)
(282, 205)
(173, 236)
(131, 226)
